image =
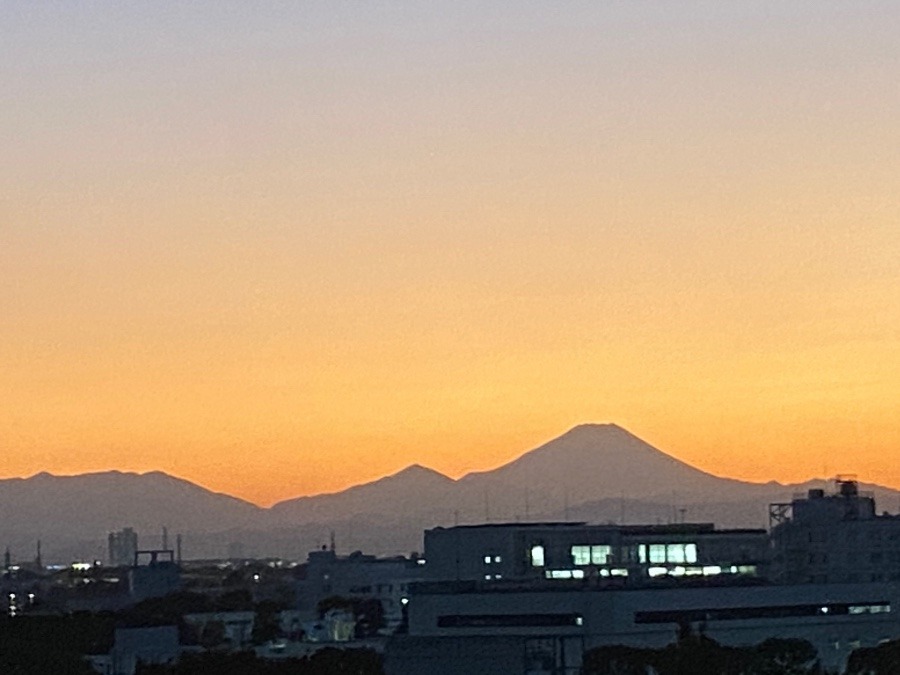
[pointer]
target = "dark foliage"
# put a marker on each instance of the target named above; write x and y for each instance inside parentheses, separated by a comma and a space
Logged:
(328, 661)
(38, 645)
(881, 660)
(699, 655)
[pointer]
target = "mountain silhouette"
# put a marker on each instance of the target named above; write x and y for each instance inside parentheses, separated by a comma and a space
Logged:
(64, 510)
(593, 472)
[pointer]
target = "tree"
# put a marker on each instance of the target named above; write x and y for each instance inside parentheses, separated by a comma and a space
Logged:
(777, 656)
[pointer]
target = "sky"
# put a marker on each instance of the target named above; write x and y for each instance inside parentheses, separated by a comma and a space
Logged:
(281, 248)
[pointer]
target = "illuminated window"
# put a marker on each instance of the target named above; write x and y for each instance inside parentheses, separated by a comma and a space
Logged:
(657, 553)
(537, 556)
(690, 553)
(564, 574)
(600, 554)
(581, 555)
(597, 554)
(642, 553)
(675, 553)
(487, 560)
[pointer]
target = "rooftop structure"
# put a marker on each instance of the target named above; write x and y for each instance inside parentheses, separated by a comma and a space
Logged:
(834, 537)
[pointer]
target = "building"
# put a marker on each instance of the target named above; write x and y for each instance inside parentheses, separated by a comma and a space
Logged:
(834, 538)
(578, 551)
(153, 575)
(212, 629)
(123, 546)
(156, 645)
(465, 627)
(358, 576)
(529, 598)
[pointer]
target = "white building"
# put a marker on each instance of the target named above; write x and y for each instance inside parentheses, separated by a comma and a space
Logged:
(520, 631)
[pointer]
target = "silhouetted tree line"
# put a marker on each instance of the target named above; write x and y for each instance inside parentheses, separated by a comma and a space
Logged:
(699, 655)
(39, 645)
(881, 660)
(327, 661)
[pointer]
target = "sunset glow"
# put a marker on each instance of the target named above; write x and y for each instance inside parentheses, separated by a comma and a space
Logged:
(280, 252)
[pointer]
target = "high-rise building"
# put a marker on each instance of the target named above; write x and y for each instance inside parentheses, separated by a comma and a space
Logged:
(123, 546)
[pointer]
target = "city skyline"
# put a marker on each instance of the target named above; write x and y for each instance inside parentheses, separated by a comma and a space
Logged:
(287, 250)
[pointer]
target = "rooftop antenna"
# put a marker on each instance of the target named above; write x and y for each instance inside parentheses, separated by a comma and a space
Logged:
(332, 541)
(7, 559)
(178, 547)
(37, 560)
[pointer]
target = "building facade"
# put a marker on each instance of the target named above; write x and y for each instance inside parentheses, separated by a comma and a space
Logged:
(604, 553)
(834, 538)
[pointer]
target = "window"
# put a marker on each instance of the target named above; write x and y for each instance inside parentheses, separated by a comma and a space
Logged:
(766, 612)
(597, 554)
(564, 574)
(675, 553)
(537, 556)
(678, 554)
(600, 554)
(657, 553)
(690, 553)
(581, 555)
(509, 620)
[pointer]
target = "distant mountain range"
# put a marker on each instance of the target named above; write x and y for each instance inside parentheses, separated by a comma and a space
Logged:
(595, 473)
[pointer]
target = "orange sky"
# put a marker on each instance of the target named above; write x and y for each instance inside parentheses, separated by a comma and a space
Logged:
(283, 252)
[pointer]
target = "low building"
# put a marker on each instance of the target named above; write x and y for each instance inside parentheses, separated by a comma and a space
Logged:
(153, 575)
(358, 576)
(234, 629)
(153, 646)
(463, 628)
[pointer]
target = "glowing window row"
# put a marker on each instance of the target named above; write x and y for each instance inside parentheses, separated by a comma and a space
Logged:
(706, 570)
(579, 574)
(667, 553)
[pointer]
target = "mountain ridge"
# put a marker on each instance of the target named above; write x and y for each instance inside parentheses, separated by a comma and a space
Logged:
(592, 472)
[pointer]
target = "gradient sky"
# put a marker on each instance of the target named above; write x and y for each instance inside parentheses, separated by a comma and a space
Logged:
(280, 248)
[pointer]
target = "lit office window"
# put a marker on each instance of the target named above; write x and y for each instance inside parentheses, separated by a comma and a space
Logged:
(690, 553)
(564, 574)
(675, 553)
(642, 553)
(657, 553)
(600, 554)
(537, 556)
(581, 555)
